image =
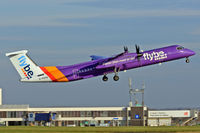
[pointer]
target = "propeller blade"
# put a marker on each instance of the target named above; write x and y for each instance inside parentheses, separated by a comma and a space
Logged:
(125, 49)
(137, 49)
(139, 54)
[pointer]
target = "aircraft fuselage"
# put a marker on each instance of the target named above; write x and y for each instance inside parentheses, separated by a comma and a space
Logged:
(125, 62)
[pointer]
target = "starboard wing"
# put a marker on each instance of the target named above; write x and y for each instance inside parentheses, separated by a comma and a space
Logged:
(115, 62)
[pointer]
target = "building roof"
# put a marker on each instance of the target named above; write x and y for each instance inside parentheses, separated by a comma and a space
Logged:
(14, 106)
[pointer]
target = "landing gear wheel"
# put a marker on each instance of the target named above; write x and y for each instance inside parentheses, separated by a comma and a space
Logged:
(116, 78)
(105, 78)
(187, 60)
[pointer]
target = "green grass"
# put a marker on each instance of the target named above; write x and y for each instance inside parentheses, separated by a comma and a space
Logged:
(23, 129)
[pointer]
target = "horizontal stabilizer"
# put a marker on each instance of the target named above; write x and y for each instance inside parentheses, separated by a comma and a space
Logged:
(16, 53)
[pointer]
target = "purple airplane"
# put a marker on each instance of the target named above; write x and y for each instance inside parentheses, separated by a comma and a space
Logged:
(99, 65)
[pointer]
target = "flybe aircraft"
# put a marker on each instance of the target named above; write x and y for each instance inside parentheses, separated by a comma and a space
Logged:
(99, 65)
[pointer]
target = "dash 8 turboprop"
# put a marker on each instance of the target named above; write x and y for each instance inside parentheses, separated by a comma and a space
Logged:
(99, 65)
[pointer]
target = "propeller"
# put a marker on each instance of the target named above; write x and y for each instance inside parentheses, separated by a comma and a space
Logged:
(125, 49)
(139, 54)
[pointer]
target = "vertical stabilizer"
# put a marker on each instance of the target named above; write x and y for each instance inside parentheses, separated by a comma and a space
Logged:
(26, 68)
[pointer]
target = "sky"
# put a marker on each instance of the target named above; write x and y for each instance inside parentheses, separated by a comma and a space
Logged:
(65, 32)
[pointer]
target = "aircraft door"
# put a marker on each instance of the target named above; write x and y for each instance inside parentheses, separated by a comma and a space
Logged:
(75, 73)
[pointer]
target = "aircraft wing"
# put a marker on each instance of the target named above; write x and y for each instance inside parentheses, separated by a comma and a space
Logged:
(115, 62)
(96, 57)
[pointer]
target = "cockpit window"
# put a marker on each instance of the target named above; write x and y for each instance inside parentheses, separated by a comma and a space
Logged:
(180, 48)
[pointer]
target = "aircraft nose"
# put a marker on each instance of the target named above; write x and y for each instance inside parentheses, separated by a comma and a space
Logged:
(190, 52)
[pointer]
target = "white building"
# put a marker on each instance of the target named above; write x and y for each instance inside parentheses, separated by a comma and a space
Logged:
(65, 116)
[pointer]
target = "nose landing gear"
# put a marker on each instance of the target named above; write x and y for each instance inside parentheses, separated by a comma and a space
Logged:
(187, 60)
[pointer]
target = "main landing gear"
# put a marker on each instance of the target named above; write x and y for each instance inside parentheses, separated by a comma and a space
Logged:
(105, 78)
(115, 78)
(187, 60)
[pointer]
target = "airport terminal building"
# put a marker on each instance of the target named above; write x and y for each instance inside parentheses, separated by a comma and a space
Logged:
(12, 115)
(93, 116)
(63, 116)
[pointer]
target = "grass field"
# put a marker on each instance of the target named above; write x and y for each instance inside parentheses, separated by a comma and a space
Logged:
(22, 129)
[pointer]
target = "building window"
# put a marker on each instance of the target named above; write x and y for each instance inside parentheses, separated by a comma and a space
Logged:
(11, 114)
(104, 114)
(3, 114)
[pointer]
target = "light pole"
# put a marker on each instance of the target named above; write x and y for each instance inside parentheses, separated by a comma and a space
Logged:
(130, 93)
(133, 92)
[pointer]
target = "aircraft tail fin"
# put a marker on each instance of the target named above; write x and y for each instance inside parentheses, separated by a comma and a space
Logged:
(26, 68)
